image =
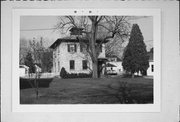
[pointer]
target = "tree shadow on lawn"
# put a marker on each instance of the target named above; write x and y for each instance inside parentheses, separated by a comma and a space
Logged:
(29, 82)
(92, 91)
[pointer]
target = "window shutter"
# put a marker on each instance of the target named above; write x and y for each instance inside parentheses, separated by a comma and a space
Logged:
(75, 49)
(68, 48)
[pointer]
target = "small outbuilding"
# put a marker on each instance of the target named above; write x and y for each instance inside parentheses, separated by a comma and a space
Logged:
(23, 70)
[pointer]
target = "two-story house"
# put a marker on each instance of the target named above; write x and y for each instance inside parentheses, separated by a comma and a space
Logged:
(68, 53)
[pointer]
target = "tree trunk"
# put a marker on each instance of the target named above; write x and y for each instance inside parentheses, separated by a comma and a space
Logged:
(95, 70)
(93, 49)
(36, 86)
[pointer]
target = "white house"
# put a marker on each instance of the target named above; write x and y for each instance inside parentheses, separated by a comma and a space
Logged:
(150, 70)
(23, 70)
(117, 62)
(118, 68)
(68, 53)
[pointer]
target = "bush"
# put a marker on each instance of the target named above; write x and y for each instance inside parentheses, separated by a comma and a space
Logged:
(63, 73)
(72, 75)
(77, 75)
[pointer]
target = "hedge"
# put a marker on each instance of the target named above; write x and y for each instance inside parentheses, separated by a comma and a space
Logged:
(64, 74)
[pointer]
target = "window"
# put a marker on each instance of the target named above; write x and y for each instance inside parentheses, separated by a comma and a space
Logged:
(72, 64)
(84, 64)
(72, 48)
(152, 68)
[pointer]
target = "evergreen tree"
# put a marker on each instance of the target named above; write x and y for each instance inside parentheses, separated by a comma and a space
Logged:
(29, 62)
(135, 55)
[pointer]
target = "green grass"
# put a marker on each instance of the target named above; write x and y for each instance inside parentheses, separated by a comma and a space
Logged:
(91, 91)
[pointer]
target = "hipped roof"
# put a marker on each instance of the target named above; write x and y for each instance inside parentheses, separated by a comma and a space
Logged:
(60, 40)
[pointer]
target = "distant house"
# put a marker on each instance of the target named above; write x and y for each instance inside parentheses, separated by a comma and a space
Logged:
(68, 53)
(117, 62)
(116, 65)
(23, 70)
(150, 70)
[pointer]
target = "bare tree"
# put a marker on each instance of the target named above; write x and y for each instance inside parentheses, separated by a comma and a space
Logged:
(23, 50)
(115, 47)
(37, 50)
(92, 29)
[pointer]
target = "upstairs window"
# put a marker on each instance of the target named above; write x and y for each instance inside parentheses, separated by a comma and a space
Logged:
(84, 64)
(71, 63)
(72, 48)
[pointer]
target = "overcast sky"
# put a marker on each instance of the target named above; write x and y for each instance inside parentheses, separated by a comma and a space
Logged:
(35, 26)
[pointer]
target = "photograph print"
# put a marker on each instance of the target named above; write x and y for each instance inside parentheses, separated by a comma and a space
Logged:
(86, 60)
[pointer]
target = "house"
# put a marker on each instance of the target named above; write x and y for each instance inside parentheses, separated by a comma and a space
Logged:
(23, 70)
(115, 66)
(150, 70)
(68, 53)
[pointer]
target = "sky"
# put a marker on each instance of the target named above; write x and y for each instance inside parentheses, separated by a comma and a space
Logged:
(41, 26)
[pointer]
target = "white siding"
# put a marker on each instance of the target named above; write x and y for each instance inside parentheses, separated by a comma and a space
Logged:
(150, 70)
(118, 68)
(64, 58)
(102, 54)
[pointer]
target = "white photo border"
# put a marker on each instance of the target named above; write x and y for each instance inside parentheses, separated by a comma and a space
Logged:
(155, 107)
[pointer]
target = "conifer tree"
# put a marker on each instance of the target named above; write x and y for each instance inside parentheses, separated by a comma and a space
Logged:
(135, 57)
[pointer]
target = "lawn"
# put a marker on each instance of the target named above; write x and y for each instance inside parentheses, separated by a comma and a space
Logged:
(113, 90)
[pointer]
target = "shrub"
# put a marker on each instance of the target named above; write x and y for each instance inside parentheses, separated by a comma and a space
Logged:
(77, 75)
(72, 75)
(63, 73)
